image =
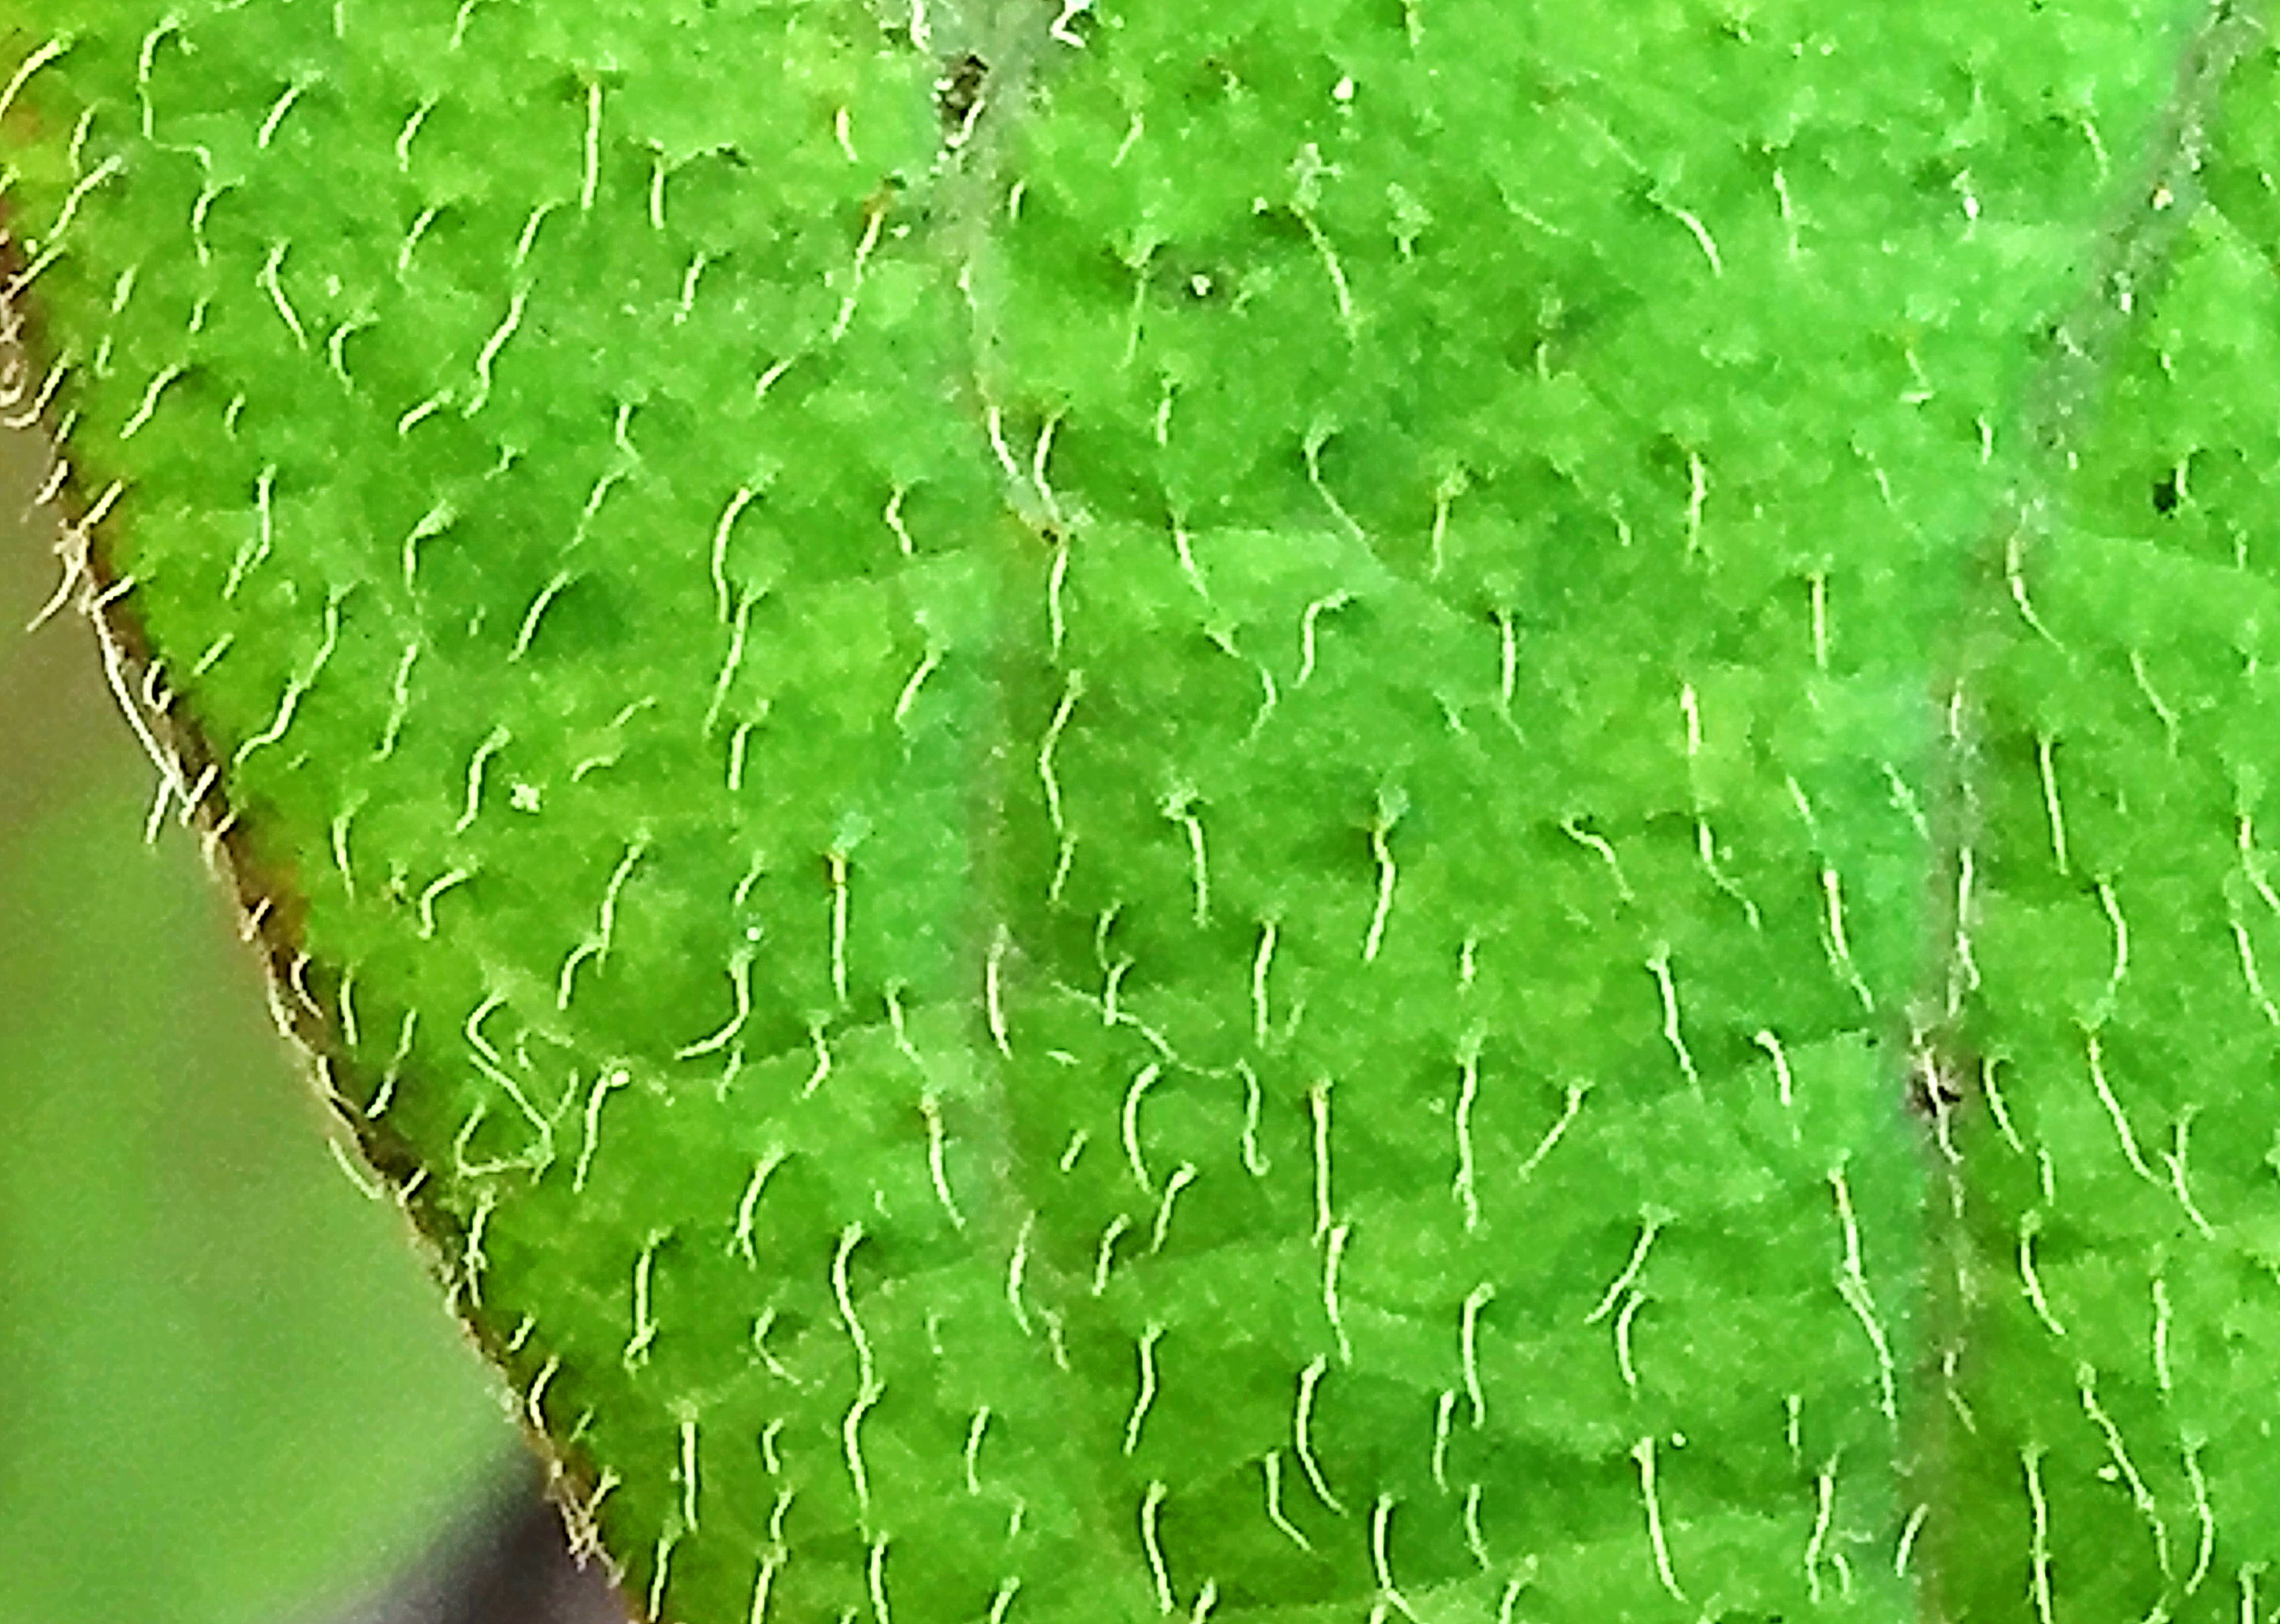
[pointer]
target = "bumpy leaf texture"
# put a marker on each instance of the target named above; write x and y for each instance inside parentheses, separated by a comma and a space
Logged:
(1433, 809)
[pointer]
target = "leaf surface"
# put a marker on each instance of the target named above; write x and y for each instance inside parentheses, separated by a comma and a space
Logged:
(1300, 814)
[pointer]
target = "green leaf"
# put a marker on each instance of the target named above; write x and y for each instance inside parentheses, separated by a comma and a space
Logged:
(1332, 813)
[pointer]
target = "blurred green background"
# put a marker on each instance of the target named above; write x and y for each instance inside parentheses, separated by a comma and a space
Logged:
(229, 1393)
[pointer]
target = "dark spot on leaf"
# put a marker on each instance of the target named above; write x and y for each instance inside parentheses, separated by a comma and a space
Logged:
(957, 93)
(2166, 494)
(1937, 1081)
